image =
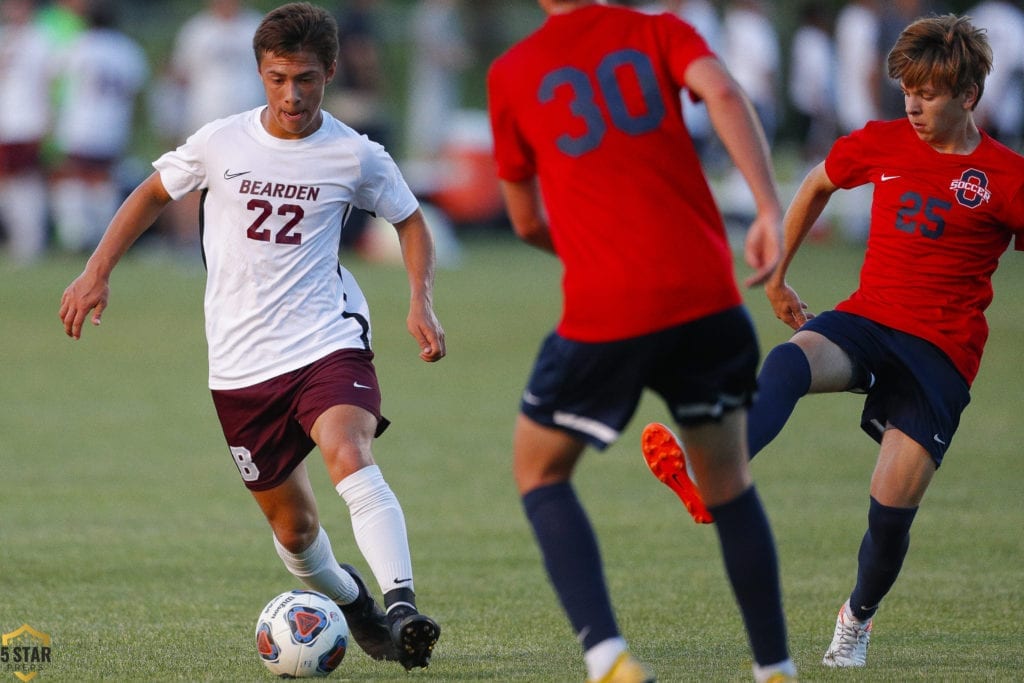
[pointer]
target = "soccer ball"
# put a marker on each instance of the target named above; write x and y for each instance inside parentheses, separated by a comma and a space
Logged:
(301, 634)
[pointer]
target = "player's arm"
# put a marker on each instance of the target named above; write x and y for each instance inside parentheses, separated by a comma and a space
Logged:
(419, 259)
(526, 211)
(805, 209)
(740, 131)
(91, 290)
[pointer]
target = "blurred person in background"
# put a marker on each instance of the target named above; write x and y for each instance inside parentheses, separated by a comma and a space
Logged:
(812, 82)
(859, 82)
(859, 64)
(752, 53)
(214, 75)
(1001, 112)
(357, 94)
(63, 20)
(26, 75)
(440, 54)
(703, 16)
(104, 70)
(893, 17)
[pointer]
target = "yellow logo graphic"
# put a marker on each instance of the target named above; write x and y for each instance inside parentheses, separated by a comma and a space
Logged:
(25, 646)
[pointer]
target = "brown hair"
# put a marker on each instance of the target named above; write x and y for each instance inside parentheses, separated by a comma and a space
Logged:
(297, 27)
(946, 51)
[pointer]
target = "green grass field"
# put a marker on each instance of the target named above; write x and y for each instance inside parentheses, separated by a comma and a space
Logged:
(127, 536)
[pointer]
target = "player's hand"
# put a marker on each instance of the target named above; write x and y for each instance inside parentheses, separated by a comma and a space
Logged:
(428, 333)
(85, 293)
(787, 305)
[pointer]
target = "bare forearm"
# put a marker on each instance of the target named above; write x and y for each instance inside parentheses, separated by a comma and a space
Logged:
(138, 212)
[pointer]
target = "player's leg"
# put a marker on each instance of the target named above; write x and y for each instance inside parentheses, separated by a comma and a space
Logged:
(304, 547)
(543, 462)
(902, 475)
(23, 212)
(344, 434)
(914, 412)
(717, 453)
(807, 363)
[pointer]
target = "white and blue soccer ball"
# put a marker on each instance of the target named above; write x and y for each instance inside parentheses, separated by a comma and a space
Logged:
(301, 634)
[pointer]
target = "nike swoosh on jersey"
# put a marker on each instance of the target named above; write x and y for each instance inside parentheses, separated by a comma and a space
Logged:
(228, 175)
(889, 177)
(357, 385)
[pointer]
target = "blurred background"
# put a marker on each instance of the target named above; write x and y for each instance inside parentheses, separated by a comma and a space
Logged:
(92, 91)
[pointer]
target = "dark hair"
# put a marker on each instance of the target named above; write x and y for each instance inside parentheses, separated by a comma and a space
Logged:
(945, 51)
(297, 27)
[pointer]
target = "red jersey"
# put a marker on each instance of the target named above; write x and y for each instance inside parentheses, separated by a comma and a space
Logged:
(590, 104)
(939, 223)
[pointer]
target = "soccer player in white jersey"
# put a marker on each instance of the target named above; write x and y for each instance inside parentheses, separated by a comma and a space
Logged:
(103, 70)
(26, 75)
(287, 327)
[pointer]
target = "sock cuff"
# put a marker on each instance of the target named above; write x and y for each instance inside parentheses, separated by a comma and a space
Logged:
(879, 511)
(306, 561)
(367, 476)
(735, 506)
(540, 495)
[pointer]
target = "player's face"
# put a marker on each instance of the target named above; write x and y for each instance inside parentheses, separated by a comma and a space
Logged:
(295, 90)
(938, 118)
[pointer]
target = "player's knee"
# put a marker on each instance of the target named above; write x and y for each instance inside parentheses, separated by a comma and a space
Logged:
(786, 365)
(297, 532)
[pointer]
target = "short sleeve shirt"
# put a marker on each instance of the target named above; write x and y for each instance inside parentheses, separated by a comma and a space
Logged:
(589, 104)
(276, 296)
(939, 224)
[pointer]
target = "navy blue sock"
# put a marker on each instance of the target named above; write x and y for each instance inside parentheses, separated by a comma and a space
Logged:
(748, 550)
(881, 556)
(573, 560)
(785, 377)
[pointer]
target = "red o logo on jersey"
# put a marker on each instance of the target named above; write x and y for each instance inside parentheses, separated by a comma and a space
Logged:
(971, 188)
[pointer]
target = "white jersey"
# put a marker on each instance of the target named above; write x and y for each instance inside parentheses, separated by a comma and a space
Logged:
(277, 298)
(104, 70)
(25, 78)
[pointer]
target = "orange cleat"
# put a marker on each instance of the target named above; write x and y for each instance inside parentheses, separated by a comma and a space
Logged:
(667, 461)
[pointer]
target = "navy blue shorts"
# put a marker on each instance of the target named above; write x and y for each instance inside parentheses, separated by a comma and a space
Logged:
(701, 369)
(267, 425)
(917, 388)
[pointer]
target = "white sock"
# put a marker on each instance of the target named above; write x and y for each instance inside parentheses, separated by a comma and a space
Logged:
(379, 526)
(23, 211)
(763, 673)
(316, 567)
(600, 658)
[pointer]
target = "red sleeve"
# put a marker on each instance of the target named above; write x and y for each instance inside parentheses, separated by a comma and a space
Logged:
(511, 152)
(847, 163)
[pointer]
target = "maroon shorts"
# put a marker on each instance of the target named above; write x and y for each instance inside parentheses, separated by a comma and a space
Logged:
(267, 425)
(20, 157)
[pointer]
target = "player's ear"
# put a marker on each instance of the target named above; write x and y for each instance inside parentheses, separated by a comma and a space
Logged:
(971, 97)
(329, 76)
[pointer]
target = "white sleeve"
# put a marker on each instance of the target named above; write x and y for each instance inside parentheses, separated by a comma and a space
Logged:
(184, 169)
(383, 190)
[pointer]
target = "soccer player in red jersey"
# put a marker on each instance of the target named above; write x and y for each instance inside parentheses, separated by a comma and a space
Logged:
(948, 199)
(597, 167)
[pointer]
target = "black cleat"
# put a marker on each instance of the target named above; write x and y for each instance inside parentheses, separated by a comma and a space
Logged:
(368, 624)
(414, 635)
